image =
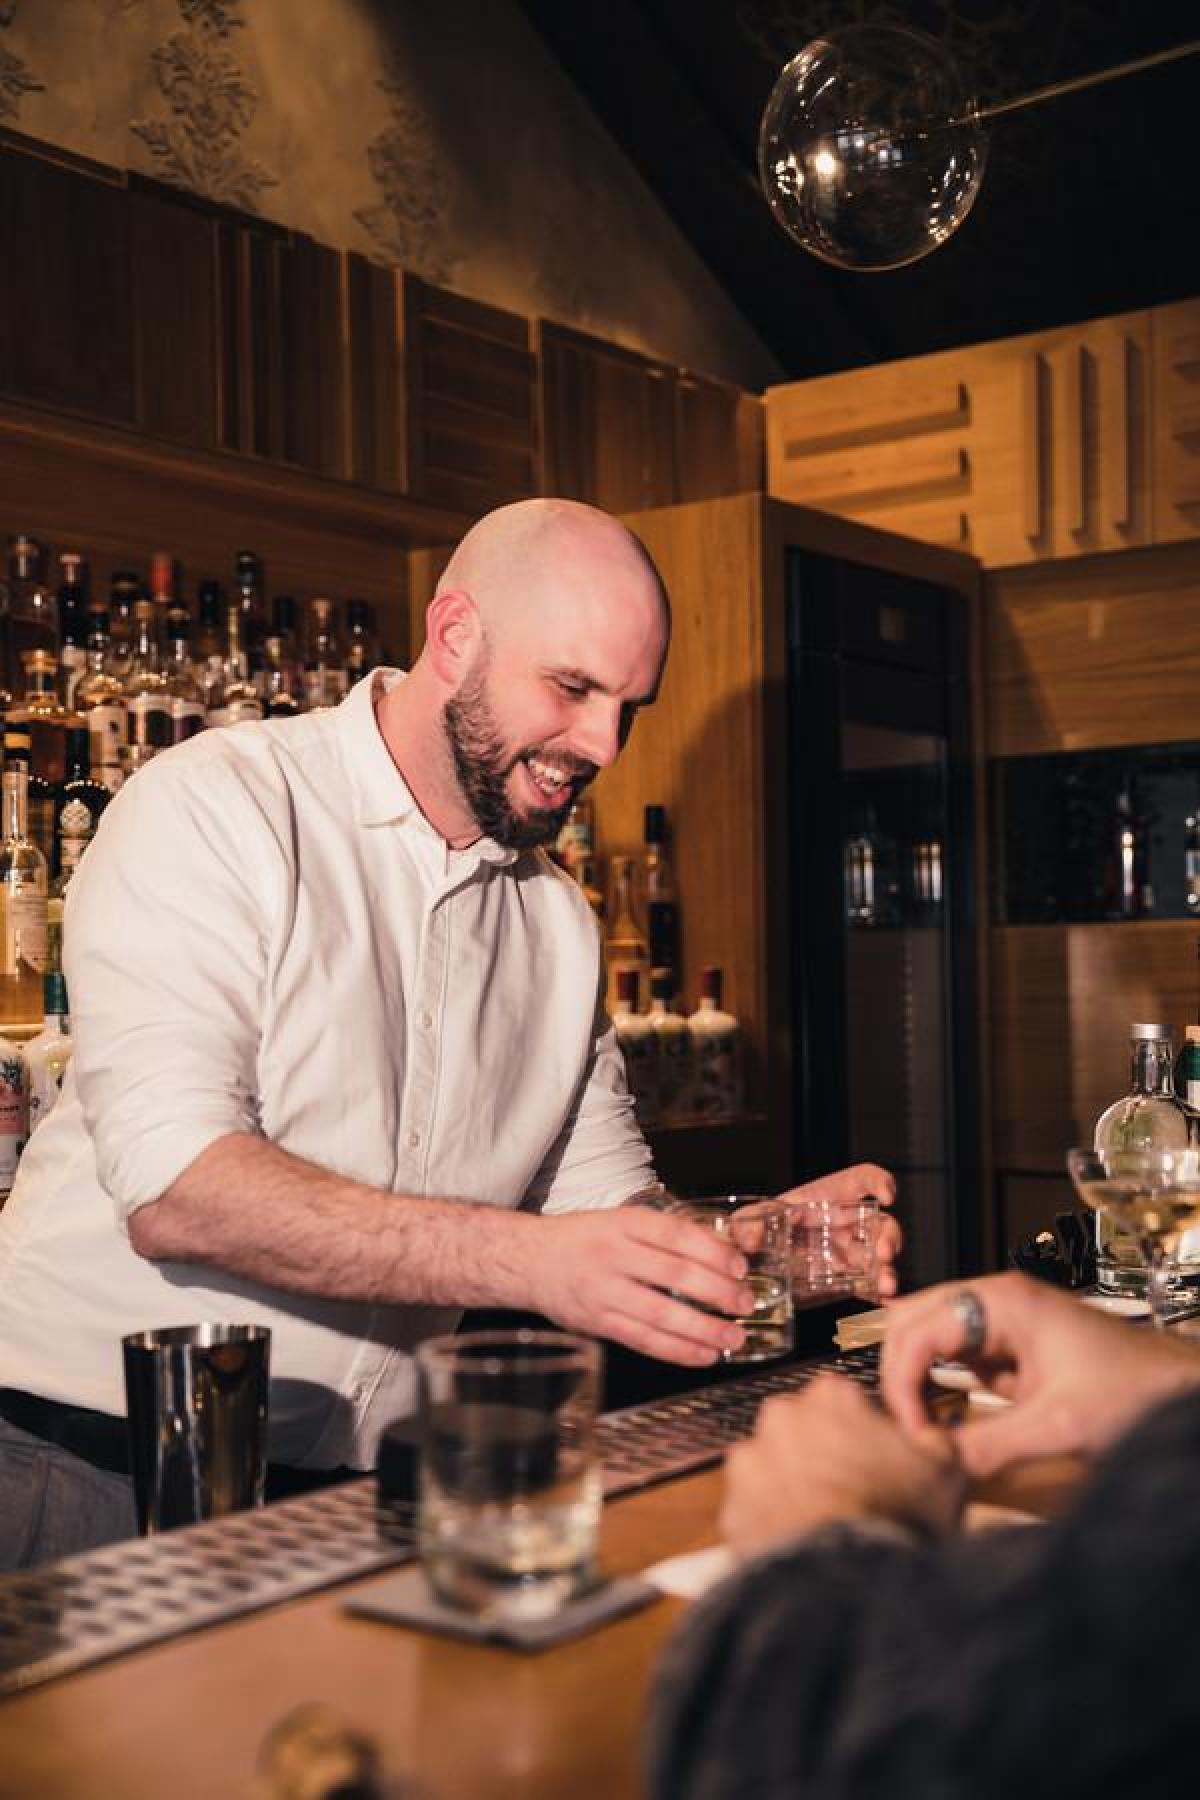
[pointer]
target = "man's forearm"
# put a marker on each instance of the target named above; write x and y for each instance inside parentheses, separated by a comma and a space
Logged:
(254, 1210)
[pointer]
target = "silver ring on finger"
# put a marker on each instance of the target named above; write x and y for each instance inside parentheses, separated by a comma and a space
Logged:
(972, 1316)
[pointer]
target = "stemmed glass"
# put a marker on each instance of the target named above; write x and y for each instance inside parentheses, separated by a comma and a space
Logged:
(1154, 1195)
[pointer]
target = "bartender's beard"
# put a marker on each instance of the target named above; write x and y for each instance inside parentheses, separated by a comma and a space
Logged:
(483, 767)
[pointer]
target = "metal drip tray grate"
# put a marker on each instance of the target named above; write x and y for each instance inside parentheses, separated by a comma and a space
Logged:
(84, 1609)
(649, 1443)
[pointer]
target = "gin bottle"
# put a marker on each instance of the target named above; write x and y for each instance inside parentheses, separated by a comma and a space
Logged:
(716, 1052)
(639, 1045)
(1149, 1117)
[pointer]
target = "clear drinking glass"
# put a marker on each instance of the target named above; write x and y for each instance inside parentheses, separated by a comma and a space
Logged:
(759, 1227)
(835, 1247)
(1154, 1195)
(509, 1484)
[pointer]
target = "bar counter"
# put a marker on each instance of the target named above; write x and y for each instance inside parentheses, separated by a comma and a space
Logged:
(188, 1717)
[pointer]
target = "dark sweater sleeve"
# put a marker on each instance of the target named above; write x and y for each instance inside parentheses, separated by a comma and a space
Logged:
(1059, 1659)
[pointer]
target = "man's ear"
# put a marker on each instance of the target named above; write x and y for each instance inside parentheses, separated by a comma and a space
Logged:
(453, 635)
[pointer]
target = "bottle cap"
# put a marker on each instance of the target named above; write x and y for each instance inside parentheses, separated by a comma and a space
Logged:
(26, 553)
(1192, 1033)
(40, 662)
(627, 985)
(711, 983)
(54, 993)
(655, 829)
(662, 983)
(17, 745)
(162, 575)
(1142, 1034)
(143, 611)
(179, 621)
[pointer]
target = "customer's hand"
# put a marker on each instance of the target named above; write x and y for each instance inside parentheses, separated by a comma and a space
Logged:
(1076, 1377)
(845, 1187)
(828, 1455)
(616, 1274)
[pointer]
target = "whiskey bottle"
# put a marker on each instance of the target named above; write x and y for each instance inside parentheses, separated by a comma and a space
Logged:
(41, 713)
(147, 701)
(40, 794)
(674, 1049)
(47, 1054)
(236, 699)
(716, 1053)
(662, 909)
(72, 649)
(100, 704)
(324, 675)
(639, 1046)
(282, 701)
(625, 946)
(187, 704)
(80, 802)
(23, 883)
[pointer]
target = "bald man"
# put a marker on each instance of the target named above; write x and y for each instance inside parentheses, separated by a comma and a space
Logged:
(340, 1064)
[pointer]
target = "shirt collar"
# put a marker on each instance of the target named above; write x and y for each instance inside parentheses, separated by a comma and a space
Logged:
(381, 794)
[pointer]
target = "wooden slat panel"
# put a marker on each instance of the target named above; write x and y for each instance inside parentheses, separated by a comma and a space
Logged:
(474, 317)
(608, 422)
(66, 315)
(886, 475)
(1094, 650)
(176, 328)
(1175, 340)
(1074, 425)
(1118, 449)
(1063, 997)
(481, 424)
(229, 352)
(478, 369)
(1035, 424)
(719, 445)
(905, 407)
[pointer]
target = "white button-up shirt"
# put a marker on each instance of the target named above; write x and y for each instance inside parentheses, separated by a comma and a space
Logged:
(268, 936)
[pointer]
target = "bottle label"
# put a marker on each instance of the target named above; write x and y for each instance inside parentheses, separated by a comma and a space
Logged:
(717, 1079)
(22, 929)
(14, 1117)
(107, 731)
(150, 723)
(187, 718)
(1192, 1094)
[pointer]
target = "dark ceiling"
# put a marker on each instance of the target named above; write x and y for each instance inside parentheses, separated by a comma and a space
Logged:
(1088, 203)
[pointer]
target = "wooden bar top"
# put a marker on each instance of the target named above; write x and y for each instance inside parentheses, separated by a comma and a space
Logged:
(453, 1721)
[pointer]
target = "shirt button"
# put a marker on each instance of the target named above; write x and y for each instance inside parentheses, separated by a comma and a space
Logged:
(414, 1138)
(425, 1021)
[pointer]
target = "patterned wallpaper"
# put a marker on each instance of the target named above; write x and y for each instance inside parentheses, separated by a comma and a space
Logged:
(445, 140)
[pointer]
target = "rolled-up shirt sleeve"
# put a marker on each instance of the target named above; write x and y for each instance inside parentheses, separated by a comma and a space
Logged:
(165, 954)
(600, 1157)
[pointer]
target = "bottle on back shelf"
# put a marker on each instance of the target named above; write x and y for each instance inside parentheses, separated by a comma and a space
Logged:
(716, 1053)
(79, 804)
(662, 907)
(100, 704)
(72, 628)
(236, 699)
(14, 1112)
(1128, 889)
(625, 945)
(362, 652)
(30, 620)
(187, 703)
(282, 700)
(47, 1054)
(124, 591)
(209, 647)
(1149, 1116)
(324, 675)
(40, 794)
(248, 587)
(639, 1046)
(1191, 861)
(42, 714)
(23, 899)
(674, 1049)
(147, 702)
(162, 580)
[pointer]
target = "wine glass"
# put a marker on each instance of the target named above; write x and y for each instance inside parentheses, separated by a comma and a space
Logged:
(1154, 1195)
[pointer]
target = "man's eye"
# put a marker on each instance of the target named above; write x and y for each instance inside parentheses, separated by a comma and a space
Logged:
(574, 690)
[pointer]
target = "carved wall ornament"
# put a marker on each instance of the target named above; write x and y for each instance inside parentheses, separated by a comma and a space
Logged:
(211, 103)
(406, 227)
(16, 77)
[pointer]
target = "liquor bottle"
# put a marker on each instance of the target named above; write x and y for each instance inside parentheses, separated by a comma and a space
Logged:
(288, 658)
(162, 580)
(576, 839)
(625, 946)
(1149, 1117)
(80, 802)
(40, 795)
(1128, 890)
(209, 653)
(72, 649)
(41, 713)
(237, 698)
(14, 1112)
(324, 676)
(23, 883)
(100, 704)
(716, 1053)
(362, 652)
(124, 591)
(147, 701)
(662, 909)
(187, 704)
(47, 1054)
(674, 1052)
(282, 700)
(1191, 861)
(248, 587)
(870, 873)
(639, 1046)
(1187, 1068)
(31, 616)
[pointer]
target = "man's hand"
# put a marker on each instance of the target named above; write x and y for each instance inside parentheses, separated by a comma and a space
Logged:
(1076, 1377)
(845, 1187)
(617, 1273)
(828, 1455)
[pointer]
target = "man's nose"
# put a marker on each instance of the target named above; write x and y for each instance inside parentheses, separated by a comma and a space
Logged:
(597, 736)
